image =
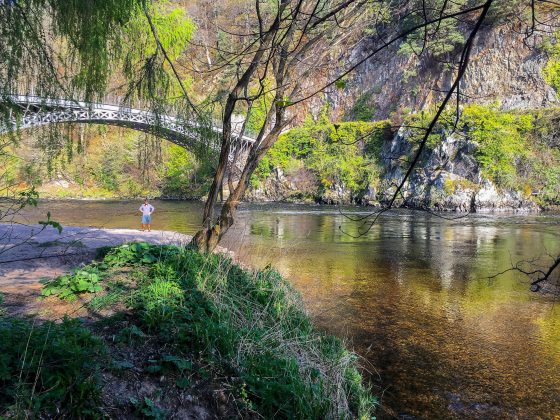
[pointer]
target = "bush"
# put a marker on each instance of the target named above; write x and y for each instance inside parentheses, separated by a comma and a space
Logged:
(343, 155)
(49, 370)
(551, 71)
(362, 110)
(445, 36)
(501, 141)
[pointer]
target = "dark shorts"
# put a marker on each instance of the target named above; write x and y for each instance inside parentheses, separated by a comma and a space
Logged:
(146, 219)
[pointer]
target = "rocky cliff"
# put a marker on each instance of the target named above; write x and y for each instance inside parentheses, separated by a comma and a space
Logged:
(506, 70)
(449, 179)
(505, 67)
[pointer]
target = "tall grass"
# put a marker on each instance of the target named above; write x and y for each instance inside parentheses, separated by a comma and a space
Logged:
(253, 324)
(48, 370)
(250, 327)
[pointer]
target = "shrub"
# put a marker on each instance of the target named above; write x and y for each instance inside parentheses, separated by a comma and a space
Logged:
(345, 154)
(362, 110)
(501, 141)
(445, 37)
(551, 70)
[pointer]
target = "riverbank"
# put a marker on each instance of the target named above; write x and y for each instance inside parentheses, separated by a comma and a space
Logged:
(164, 332)
(31, 252)
(459, 207)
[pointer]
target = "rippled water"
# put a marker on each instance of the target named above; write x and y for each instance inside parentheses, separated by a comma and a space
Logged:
(440, 339)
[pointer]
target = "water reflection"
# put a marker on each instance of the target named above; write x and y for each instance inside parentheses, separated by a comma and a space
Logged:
(413, 296)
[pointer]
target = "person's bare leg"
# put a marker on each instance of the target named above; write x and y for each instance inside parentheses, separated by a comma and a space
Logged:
(149, 228)
(142, 227)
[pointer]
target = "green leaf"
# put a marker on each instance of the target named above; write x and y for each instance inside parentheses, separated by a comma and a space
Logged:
(340, 83)
(183, 382)
(153, 368)
(52, 223)
(148, 258)
(283, 103)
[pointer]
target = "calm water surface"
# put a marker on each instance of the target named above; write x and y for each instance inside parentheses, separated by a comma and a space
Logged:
(412, 296)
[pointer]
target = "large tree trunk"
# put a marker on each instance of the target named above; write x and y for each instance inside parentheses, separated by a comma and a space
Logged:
(210, 235)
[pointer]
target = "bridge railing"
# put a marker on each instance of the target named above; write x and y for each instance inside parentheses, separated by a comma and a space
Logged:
(28, 88)
(167, 120)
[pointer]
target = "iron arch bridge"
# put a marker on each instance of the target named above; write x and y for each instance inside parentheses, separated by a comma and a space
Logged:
(37, 111)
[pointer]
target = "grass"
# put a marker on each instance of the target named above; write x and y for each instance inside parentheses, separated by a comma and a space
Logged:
(206, 319)
(49, 370)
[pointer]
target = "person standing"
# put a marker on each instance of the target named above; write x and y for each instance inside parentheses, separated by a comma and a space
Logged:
(146, 209)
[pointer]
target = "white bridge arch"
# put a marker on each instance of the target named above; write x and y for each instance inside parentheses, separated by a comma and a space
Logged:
(37, 111)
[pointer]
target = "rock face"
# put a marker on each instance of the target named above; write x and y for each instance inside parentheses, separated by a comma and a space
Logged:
(448, 178)
(301, 186)
(504, 67)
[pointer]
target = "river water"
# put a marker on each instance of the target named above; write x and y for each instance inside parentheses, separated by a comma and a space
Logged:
(412, 297)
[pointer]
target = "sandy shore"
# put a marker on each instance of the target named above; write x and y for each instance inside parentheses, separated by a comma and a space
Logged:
(29, 253)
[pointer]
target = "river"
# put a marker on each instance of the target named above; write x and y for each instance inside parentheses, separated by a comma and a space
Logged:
(412, 297)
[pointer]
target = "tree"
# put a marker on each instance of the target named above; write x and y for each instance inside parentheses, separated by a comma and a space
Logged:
(293, 42)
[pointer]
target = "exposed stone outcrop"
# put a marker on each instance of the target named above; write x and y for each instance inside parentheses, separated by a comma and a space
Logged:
(505, 66)
(448, 178)
(299, 186)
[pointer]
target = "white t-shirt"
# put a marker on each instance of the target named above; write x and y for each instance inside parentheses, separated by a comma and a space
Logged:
(146, 209)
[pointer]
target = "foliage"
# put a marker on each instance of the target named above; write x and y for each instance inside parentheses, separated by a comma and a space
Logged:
(111, 162)
(158, 301)
(138, 252)
(362, 110)
(333, 152)
(551, 70)
(258, 113)
(542, 171)
(174, 29)
(173, 26)
(49, 370)
(70, 286)
(77, 51)
(50, 222)
(416, 124)
(515, 150)
(90, 36)
(501, 139)
(147, 409)
(185, 175)
(250, 325)
(445, 36)
(178, 169)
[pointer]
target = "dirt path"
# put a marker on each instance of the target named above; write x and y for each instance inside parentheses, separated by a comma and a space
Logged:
(29, 253)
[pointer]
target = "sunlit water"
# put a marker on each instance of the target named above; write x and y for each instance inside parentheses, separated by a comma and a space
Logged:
(412, 296)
